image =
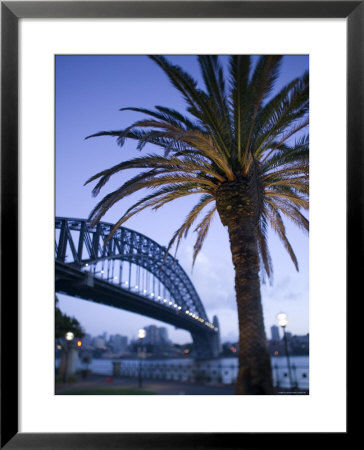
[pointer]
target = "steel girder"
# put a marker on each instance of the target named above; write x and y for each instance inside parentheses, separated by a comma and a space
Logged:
(82, 244)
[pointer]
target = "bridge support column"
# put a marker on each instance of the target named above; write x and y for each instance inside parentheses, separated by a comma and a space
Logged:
(206, 345)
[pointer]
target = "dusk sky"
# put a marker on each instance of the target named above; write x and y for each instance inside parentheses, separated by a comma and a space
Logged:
(90, 90)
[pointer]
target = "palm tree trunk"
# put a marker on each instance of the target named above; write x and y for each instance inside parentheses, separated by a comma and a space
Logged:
(255, 372)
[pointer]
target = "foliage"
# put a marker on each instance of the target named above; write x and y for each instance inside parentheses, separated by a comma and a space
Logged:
(64, 323)
(234, 131)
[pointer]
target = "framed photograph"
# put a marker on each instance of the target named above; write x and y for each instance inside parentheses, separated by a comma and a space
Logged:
(59, 56)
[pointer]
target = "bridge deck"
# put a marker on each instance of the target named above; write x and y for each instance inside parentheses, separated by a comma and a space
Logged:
(73, 282)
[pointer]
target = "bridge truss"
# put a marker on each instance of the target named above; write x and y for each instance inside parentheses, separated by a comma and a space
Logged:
(133, 264)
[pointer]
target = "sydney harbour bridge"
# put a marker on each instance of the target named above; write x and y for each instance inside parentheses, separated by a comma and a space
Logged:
(130, 272)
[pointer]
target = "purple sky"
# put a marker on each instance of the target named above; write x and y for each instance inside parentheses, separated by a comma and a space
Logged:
(90, 90)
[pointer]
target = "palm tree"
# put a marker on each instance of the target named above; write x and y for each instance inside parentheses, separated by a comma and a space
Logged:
(236, 147)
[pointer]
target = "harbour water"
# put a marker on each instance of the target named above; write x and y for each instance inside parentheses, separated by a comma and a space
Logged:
(221, 370)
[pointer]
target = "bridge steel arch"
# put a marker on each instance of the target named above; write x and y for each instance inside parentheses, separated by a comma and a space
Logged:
(79, 248)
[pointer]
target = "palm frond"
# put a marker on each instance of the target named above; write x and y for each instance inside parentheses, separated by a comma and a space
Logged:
(190, 219)
(233, 131)
(294, 215)
(265, 258)
(197, 101)
(278, 226)
(156, 201)
(289, 105)
(239, 68)
(260, 86)
(202, 229)
(289, 195)
(287, 135)
(212, 73)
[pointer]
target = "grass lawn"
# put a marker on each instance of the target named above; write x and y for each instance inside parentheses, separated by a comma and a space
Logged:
(107, 391)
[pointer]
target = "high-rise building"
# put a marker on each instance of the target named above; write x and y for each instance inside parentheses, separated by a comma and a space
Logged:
(275, 333)
(156, 335)
(98, 342)
(119, 343)
(152, 335)
(163, 335)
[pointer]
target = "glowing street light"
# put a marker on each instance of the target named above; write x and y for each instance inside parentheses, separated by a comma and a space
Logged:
(282, 321)
(141, 335)
(69, 336)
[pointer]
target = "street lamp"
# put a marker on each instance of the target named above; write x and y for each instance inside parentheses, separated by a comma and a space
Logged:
(282, 321)
(141, 335)
(69, 336)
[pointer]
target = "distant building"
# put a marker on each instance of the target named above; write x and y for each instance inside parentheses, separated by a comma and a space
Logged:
(300, 345)
(87, 341)
(156, 335)
(98, 342)
(118, 343)
(296, 345)
(275, 333)
(152, 336)
(163, 334)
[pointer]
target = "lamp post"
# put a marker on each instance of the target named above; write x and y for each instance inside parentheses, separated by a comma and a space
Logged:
(141, 335)
(69, 336)
(282, 321)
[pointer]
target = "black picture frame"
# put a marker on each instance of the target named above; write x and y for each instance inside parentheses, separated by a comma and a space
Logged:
(11, 12)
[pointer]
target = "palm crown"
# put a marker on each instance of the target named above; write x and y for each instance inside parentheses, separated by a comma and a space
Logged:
(235, 135)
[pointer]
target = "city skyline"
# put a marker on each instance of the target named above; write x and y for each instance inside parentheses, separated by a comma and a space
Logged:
(89, 92)
(159, 335)
(271, 335)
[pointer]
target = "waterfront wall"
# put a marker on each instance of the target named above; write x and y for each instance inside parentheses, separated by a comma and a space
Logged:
(216, 371)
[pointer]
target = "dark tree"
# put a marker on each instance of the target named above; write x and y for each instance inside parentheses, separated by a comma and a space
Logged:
(64, 323)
